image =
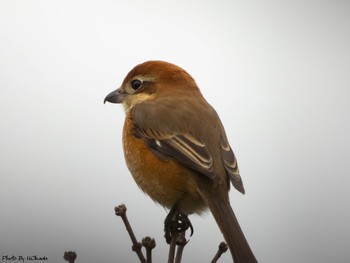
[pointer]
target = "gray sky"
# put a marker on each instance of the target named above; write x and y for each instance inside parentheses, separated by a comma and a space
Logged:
(277, 72)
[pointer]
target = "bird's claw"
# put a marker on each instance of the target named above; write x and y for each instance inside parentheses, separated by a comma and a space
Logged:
(176, 225)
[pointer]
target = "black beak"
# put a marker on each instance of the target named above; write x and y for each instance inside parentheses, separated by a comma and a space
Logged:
(115, 97)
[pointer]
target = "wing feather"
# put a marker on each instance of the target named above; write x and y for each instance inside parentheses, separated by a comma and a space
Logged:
(183, 148)
(166, 131)
(231, 166)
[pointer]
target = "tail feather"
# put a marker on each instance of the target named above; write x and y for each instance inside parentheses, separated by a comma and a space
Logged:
(229, 226)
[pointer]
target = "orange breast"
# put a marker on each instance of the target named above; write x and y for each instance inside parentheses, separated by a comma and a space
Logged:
(166, 182)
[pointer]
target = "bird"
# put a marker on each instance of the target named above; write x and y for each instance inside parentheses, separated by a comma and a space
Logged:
(176, 148)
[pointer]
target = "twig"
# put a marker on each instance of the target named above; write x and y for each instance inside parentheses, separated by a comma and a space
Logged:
(149, 244)
(174, 214)
(180, 242)
(222, 249)
(172, 247)
(70, 256)
(136, 246)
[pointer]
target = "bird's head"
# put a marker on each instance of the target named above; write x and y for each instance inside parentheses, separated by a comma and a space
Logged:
(151, 80)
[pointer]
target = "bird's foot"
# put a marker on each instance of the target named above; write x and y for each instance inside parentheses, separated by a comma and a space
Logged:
(174, 224)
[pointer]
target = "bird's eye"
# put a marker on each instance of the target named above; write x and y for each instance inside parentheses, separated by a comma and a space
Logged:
(136, 84)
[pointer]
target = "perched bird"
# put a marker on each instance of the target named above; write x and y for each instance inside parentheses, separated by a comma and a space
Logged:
(176, 148)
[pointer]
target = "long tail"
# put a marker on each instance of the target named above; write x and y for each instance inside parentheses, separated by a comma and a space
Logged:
(228, 224)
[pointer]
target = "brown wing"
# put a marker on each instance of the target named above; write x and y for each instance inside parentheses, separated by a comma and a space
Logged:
(183, 148)
(166, 131)
(231, 166)
(166, 128)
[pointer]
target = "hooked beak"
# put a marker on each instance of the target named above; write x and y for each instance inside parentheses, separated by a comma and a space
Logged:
(115, 97)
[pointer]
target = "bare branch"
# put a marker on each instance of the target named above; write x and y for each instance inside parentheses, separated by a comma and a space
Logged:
(149, 244)
(172, 247)
(181, 243)
(70, 256)
(136, 246)
(222, 249)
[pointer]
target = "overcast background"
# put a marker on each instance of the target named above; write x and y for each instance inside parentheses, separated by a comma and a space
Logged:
(277, 72)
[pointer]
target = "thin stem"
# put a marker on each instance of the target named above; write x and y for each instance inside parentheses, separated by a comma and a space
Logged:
(172, 215)
(136, 246)
(172, 247)
(149, 244)
(222, 249)
(180, 242)
(70, 256)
